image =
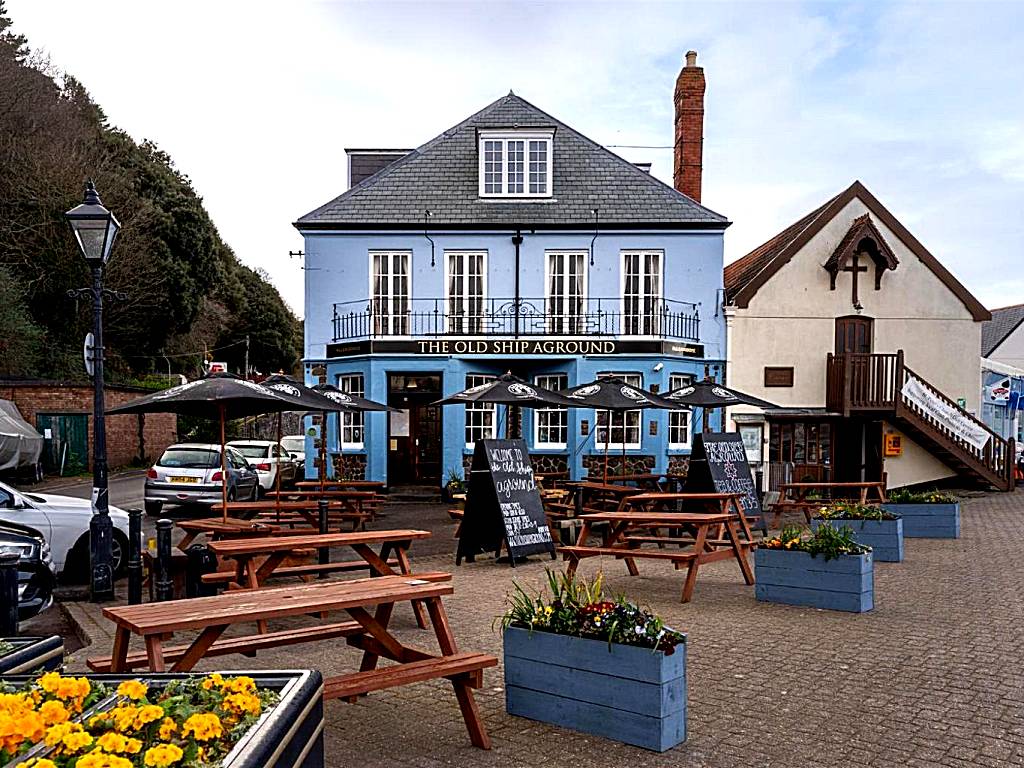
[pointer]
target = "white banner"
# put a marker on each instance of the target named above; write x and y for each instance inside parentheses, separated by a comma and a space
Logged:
(944, 413)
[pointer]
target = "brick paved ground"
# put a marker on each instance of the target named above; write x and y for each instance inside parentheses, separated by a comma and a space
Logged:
(932, 677)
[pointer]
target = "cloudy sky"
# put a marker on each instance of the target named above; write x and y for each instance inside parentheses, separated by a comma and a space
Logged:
(923, 102)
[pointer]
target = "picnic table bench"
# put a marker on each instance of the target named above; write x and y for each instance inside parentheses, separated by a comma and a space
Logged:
(622, 542)
(216, 528)
(369, 604)
(798, 501)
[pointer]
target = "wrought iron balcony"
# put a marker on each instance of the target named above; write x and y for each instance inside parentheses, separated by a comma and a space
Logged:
(609, 317)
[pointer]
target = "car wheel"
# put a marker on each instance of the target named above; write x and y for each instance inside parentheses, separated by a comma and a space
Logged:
(119, 553)
(153, 508)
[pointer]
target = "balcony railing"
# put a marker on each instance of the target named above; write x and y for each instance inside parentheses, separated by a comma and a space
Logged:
(612, 317)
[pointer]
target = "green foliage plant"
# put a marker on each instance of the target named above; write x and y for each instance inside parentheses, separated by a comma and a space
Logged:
(831, 542)
(573, 606)
(933, 496)
(847, 510)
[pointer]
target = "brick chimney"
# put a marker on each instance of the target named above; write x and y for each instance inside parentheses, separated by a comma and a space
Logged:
(689, 101)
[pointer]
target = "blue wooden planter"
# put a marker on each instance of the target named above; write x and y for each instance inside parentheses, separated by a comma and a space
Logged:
(885, 537)
(31, 654)
(846, 583)
(928, 521)
(288, 735)
(633, 695)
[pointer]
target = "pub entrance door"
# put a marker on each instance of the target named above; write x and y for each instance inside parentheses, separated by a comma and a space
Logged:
(414, 432)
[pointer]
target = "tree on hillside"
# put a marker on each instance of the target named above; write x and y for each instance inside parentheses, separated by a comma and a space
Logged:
(169, 258)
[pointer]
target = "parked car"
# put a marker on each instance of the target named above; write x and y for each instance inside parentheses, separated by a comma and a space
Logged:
(296, 447)
(64, 523)
(190, 473)
(268, 458)
(35, 568)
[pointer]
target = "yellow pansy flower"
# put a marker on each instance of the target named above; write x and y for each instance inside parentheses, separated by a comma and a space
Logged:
(163, 755)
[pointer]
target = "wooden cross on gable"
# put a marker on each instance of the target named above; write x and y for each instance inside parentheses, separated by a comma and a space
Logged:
(862, 244)
(854, 267)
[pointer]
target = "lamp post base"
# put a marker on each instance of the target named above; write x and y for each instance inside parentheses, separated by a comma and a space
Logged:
(101, 572)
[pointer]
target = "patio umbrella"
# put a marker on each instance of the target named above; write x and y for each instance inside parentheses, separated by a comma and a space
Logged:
(710, 394)
(310, 400)
(508, 390)
(613, 394)
(349, 403)
(220, 396)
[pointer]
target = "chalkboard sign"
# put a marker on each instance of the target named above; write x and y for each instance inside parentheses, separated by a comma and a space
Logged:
(718, 464)
(502, 504)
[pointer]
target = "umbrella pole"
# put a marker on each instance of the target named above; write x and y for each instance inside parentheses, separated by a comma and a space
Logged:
(341, 447)
(323, 450)
(223, 468)
(277, 478)
(607, 439)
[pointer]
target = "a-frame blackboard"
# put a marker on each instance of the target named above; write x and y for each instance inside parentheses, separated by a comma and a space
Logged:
(503, 506)
(718, 464)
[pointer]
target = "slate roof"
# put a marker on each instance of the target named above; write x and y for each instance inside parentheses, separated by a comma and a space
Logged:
(442, 177)
(1004, 322)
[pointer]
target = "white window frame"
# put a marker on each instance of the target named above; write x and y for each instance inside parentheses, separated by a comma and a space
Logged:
(393, 324)
(675, 381)
(648, 324)
(526, 137)
(472, 380)
(557, 326)
(545, 380)
(466, 318)
(352, 420)
(634, 379)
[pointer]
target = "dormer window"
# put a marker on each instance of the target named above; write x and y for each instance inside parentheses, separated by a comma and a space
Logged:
(515, 163)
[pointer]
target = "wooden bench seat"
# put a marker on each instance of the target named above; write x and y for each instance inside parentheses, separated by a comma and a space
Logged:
(247, 645)
(459, 665)
(620, 552)
(224, 577)
(683, 540)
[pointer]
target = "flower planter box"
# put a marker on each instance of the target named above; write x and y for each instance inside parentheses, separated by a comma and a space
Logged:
(885, 537)
(845, 583)
(629, 694)
(928, 521)
(31, 654)
(288, 735)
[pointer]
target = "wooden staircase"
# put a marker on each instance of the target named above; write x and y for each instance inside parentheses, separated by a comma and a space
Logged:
(876, 384)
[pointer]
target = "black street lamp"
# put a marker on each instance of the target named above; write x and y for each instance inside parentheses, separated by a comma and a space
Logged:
(95, 228)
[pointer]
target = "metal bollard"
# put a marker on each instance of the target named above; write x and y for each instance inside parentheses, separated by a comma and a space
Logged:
(323, 554)
(9, 594)
(134, 556)
(164, 580)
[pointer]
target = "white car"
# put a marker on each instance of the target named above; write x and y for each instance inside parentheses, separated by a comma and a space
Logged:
(64, 522)
(268, 458)
(296, 447)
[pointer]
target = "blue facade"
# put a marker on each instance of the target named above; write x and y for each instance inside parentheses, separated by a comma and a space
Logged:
(338, 281)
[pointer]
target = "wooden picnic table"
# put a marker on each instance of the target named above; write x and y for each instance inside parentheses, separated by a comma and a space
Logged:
(800, 491)
(349, 508)
(650, 481)
(590, 496)
(705, 545)
(359, 485)
(368, 602)
(724, 503)
(273, 551)
(216, 528)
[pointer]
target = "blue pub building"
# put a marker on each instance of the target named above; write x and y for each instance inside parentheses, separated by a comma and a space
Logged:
(513, 243)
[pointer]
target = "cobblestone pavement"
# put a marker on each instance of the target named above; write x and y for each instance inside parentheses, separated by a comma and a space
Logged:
(932, 677)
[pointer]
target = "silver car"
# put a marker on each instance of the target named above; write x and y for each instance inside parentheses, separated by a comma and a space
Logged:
(190, 473)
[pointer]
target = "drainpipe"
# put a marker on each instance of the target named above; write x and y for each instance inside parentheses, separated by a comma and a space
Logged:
(517, 240)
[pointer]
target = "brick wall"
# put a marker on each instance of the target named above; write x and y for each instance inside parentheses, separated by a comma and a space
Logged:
(159, 429)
